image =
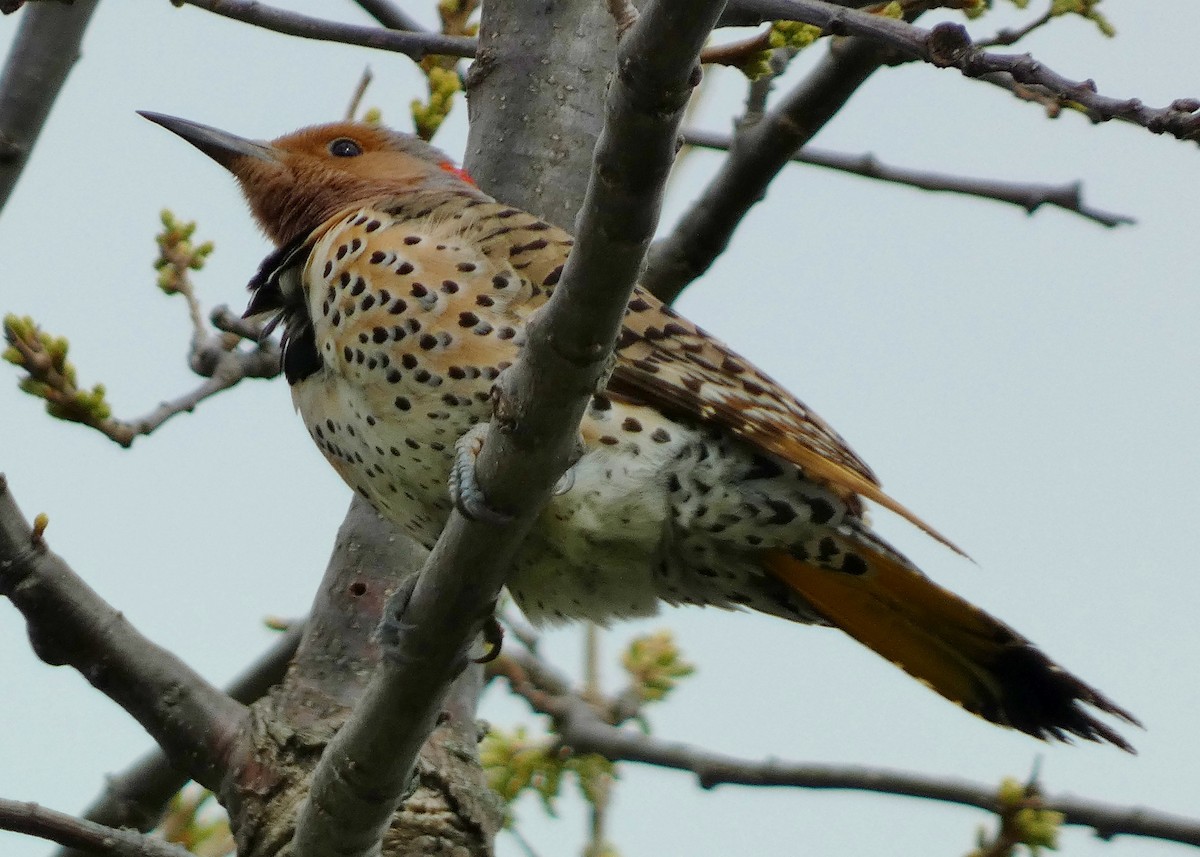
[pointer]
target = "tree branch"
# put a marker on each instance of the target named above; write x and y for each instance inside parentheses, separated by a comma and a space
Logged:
(87, 836)
(137, 796)
(1028, 196)
(363, 772)
(390, 15)
(415, 45)
(44, 50)
(949, 45)
(231, 368)
(217, 358)
(762, 147)
(582, 729)
(70, 624)
(1007, 36)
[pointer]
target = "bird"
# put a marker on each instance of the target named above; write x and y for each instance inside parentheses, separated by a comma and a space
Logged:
(403, 291)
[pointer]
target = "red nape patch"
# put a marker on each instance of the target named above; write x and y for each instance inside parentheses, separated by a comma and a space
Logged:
(457, 171)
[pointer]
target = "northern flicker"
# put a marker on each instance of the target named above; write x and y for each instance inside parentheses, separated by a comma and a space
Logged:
(403, 291)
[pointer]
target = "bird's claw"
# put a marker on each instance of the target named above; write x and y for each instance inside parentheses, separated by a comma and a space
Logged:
(565, 482)
(464, 488)
(493, 640)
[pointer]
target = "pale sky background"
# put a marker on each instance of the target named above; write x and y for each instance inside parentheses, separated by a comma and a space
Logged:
(1028, 385)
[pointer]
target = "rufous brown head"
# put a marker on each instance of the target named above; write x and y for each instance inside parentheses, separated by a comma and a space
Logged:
(296, 182)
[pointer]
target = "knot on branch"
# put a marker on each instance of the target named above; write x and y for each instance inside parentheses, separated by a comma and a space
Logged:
(948, 45)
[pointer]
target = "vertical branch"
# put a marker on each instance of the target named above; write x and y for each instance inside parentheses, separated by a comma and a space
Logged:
(45, 49)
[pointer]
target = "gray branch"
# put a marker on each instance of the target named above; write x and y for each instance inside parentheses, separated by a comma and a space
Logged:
(69, 624)
(949, 45)
(44, 50)
(390, 15)
(762, 148)
(415, 45)
(89, 837)
(232, 367)
(364, 771)
(137, 796)
(583, 730)
(1028, 195)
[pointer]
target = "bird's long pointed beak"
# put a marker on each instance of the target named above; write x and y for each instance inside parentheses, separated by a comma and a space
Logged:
(221, 146)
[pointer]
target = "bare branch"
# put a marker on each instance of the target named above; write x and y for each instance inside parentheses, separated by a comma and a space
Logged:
(390, 15)
(225, 319)
(44, 50)
(583, 730)
(530, 442)
(69, 624)
(359, 92)
(762, 147)
(215, 357)
(1011, 37)
(1027, 195)
(87, 836)
(949, 45)
(137, 796)
(415, 45)
(736, 53)
(231, 368)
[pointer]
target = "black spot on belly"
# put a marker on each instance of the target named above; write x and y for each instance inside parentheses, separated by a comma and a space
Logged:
(764, 468)
(854, 564)
(827, 549)
(783, 513)
(822, 510)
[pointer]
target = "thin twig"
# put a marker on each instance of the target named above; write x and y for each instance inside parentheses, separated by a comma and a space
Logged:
(390, 15)
(594, 694)
(415, 45)
(1011, 37)
(765, 145)
(582, 729)
(232, 367)
(1028, 195)
(44, 49)
(948, 45)
(736, 53)
(36, 820)
(359, 92)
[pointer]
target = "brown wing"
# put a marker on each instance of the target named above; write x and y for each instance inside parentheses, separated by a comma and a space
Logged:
(666, 361)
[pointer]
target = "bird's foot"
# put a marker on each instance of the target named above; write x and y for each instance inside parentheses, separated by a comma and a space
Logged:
(493, 639)
(464, 488)
(567, 481)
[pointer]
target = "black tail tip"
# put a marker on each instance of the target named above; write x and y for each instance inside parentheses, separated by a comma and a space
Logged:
(1042, 699)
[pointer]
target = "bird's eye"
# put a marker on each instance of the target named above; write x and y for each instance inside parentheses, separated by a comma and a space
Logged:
(344, 147)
